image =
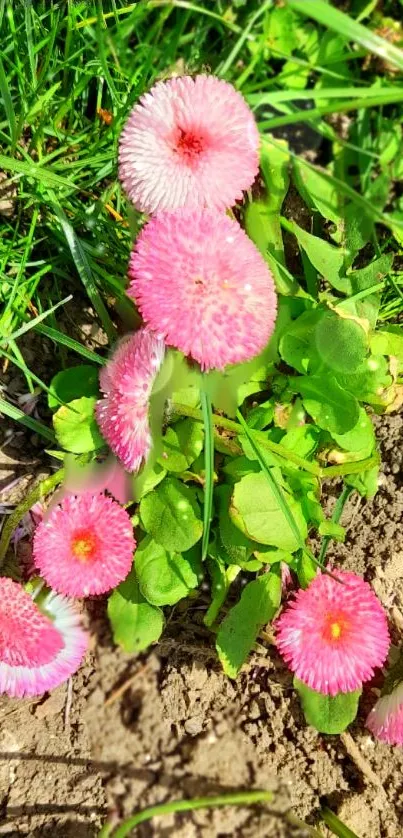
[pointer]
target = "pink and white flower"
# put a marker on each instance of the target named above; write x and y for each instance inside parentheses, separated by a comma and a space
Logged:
(385, 720)
(85, 545)
(200, 282)
(334, 635)
(126, 382)
(40, 647)
(189, 142)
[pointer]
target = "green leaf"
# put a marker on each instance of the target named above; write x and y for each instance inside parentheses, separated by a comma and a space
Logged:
(181, 445)
(369, 380)
(262, 415)
(388, 341)
(328, 714)
(341, 342)
(345, 25)
(332, 408)
(363, 279)
(326, 258)
(280, 30)
(238, 547)
(149, 477)
(76, 428)
(73, 383)
(297, 346)
(317, 190)
(135, 623)
(221, 580)
(256, 511)
(262, 216)
(332, 530)
(165, 578)
(306, 570)
(237, 633)
(365, 483)
(171, 514)
(360, 438)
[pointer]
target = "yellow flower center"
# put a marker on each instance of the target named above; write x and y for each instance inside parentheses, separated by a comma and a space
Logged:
(84, 545)
(335, 630)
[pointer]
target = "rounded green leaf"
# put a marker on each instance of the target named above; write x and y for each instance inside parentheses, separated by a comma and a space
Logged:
(181, 445)
(164, 578)
(135, 623)
(341, 343)
(256, 511)
(333, 408)
(237, 633)
(73, 383)
(361, 438)
(76, 428)
(328, 714)
(171, 514)
(297, 346)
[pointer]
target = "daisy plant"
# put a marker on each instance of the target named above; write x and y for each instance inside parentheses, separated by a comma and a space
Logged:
(195, 458)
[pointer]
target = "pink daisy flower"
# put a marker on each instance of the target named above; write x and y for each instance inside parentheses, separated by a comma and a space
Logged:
(85, 545)
(189, 142)
(201, 282)
(385, 720)
(40, 647)
(127, 381)
(334, 635)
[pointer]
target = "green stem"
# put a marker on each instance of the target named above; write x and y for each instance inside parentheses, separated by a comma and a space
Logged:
(276, 447)
(236, 799)
(243, 798)
(236, 428)
(36, 494)
(336, 825)
(337, 513)
(208, 470)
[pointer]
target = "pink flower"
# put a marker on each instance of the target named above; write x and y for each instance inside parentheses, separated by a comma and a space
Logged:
(190, 142)
(200, 281)
(85, 545)
(40, 647)
(127, 381)
(334, 635)
(385, 720)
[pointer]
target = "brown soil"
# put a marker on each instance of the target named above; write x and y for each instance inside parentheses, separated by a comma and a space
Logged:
(181, 729)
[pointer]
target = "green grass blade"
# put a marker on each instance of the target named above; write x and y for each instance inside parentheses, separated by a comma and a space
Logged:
(337, 513)
(32, 323)
(343, 24)
(85, 272)
(8, 104)
(273, 482)
(45, 176)
(70, 343)
(208, 468)
(257, 99)
(14, 412)
(342, 107)
(336, 825)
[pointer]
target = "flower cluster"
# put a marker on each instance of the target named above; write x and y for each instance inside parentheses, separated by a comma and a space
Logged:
(188, 151)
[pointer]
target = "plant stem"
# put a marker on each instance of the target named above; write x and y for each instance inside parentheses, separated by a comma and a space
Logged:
(336, 825)
(243, 798)
(36, 494)
(235, 799)
(236, 428)
(337, 513)
(276, 447)
(208, 469)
